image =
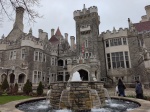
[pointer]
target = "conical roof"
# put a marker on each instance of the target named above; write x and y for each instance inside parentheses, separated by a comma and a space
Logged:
(58, 33)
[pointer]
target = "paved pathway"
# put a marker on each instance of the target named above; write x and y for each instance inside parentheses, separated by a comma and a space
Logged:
(128, 92)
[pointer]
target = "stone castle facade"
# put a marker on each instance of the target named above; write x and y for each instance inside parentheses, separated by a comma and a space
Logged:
(108, 56)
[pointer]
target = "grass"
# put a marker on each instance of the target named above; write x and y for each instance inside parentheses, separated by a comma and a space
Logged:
(5, 99)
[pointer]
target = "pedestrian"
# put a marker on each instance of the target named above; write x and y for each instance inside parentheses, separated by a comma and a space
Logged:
(121, 88)
(138, 90)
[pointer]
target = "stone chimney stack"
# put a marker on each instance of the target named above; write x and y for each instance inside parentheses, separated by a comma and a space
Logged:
(66, 36)
(19, 18)
(147, 8)
(40, 33)
(52, 32)
(72, 38)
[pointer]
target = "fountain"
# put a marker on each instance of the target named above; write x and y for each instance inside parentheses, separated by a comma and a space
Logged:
(77, 95)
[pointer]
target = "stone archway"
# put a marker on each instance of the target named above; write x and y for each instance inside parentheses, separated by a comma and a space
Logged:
(21, 78)
(83, 75)
(12, 78)
(84, 71)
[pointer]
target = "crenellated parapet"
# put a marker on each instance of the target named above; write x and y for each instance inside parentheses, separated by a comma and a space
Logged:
(85, 11)
(115, 33)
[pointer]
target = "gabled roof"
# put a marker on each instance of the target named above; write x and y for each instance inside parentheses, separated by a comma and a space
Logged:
(143, 26)
(58, 33)
(53, 39)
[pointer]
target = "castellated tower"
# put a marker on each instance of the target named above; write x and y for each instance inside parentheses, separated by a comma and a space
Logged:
(87, 31)
(147, 8)
(19, 18)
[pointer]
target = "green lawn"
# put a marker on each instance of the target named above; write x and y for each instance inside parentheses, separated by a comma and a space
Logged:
(5, 99)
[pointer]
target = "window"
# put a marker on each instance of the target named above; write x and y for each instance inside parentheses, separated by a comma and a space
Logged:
(107, 43)
(60, 76)
(23, 53)
(136, 78)
(14, 54)
(115, 42)
(86, 43)
(108, 61)
(86, 55)
(104, 79)
(127, 59)
(36, 56)
(39, 76)
(44, 58)
(124, 41)
(117, 60)
(52, 61)
(40, 56)
(11, 55)
(43, 78)
(90, 54)
(35, 80)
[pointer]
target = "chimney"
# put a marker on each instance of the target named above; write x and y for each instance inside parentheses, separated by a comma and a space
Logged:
(66, 36)
(72, 38)
(40, 33)
(19, 18)
(52, 32)
(147, 8)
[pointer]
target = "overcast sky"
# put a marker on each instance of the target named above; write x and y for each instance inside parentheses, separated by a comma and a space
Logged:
(59, 13)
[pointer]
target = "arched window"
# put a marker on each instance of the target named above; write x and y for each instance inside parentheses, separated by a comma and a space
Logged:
(60, 63)
(12, 78)
(21, 78)
(3, 76)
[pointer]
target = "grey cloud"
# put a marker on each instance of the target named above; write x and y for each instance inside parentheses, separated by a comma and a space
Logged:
(113, 13)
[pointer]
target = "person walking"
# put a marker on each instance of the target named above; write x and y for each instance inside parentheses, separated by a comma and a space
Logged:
(121, 88)
(139, 90)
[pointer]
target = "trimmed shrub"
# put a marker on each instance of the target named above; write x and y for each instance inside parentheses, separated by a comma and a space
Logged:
(27, 87)
(5, 85)
(40, 89)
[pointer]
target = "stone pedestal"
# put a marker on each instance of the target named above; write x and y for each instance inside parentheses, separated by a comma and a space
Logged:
(76, 97)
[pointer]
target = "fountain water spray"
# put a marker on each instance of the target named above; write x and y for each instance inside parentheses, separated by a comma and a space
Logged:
(107, 95)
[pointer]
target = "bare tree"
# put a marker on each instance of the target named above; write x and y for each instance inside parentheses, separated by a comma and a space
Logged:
(8, 6)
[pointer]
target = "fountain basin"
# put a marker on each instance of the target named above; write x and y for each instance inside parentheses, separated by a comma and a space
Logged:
(79, 96)
(118, 105)
(13, 106)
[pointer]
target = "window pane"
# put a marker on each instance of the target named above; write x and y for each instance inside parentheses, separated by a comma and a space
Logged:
(113, 59)
(118, 64)
(107, 43)
(127, 64)
(122, 64)
(114, 65)
(121, 58)
(126, 57)
(108, 55)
